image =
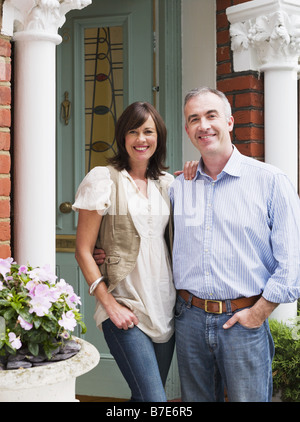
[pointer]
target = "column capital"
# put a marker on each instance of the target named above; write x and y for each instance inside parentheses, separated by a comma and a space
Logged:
(37, 18)
(265, 34)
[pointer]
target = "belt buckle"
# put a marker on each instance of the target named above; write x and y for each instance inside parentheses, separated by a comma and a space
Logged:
(215, 301)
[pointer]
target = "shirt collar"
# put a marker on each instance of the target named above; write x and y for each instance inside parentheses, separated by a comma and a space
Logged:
(232, 167)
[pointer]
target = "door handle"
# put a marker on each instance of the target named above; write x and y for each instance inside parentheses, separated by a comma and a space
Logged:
(66, 108)
(65, 207)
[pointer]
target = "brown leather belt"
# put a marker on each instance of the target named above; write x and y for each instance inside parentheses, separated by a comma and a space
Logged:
(218, 306)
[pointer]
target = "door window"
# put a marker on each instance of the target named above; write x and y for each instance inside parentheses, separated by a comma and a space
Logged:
(103, 50)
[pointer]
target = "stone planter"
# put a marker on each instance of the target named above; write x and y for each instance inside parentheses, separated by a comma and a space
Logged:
(51, 383)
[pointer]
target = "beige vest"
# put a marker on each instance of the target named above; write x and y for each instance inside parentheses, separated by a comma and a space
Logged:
(118, 235)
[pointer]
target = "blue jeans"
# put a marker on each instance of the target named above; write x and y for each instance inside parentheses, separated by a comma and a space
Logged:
(143, 363)
(210, 357)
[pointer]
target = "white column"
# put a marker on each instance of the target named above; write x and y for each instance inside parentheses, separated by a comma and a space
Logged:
(281, 120)
(265, 37)
(34, 24)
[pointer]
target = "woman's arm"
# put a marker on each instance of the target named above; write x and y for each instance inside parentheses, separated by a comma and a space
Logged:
(87, 232)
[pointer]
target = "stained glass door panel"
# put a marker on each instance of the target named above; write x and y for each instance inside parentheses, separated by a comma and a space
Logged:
(103, 92)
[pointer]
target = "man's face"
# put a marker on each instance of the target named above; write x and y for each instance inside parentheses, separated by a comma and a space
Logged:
(207, 125)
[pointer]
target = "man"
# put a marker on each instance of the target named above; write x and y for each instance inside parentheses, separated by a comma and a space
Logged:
(235, 258)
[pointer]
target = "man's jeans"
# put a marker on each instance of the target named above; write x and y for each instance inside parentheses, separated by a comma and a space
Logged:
(210, 357)
(144, 364)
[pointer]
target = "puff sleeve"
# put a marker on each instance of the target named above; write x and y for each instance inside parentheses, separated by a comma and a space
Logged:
(166, 180)
(93, 193)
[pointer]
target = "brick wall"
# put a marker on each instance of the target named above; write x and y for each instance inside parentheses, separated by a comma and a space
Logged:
(245, 90)
(5, 158)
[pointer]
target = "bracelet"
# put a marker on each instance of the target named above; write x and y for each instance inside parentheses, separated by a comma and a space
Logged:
(94, 285)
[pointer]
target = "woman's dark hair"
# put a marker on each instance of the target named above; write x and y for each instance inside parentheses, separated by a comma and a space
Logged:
(133, 117)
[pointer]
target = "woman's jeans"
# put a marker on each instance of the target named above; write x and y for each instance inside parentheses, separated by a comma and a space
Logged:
(144, 364)
(210, 357)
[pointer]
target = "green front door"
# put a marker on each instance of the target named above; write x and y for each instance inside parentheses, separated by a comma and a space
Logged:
(105, 62)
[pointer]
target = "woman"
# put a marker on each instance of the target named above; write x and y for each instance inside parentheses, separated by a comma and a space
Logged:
(124, 209)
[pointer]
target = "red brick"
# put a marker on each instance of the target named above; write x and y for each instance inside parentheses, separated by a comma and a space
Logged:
(223, 53)
(5, 117)
(5, 95)
(4, 208)
(5, 251)
(4, 141)
(224, 68)
(235, 2)
(223, 4)
(4, 231)
(5, 186)
(222, 21)
(251, 149)
(223, 37)
(5, 71)
(4, 164)
(249, 134)
(249, 116)
(239, 83)
(248, 99)
(5, 47)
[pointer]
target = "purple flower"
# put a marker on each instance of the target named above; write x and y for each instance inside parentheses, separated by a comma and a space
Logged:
(22, 269)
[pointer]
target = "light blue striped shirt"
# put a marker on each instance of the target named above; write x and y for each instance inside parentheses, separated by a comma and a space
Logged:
(238, 235)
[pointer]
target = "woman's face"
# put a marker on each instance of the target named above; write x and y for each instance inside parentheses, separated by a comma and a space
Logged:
(141, 143)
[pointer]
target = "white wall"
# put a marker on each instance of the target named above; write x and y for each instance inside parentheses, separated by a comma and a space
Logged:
(198, 54)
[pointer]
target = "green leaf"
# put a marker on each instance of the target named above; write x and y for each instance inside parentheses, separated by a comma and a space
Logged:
(24, 313)
(33, 348)
(49, 326)
(83, 326)
(16, 306)
(37, 323)
(9, 314)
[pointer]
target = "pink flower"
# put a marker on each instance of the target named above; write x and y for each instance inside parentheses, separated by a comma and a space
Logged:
(14, 341)
(43, 274)
(24, 324)
(5, 265)
(68, 321)
(40, 305)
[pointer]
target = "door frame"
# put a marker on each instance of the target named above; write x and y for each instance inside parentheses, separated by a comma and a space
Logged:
(170, 78)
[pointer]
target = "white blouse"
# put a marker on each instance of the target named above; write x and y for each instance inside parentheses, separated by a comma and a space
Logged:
(148, 290)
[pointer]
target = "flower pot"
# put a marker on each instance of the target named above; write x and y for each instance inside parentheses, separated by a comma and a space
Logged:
(51, 383)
